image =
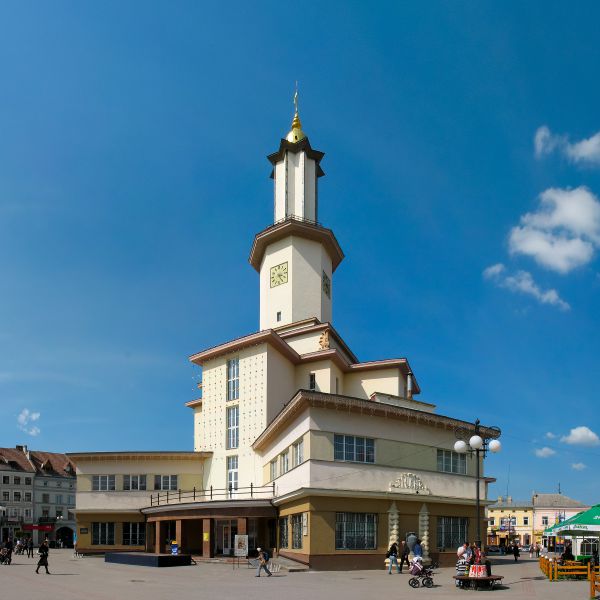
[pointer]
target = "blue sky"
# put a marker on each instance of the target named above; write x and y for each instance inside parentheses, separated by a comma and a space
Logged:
(462, 182)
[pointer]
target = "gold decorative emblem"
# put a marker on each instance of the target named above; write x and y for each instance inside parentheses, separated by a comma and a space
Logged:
(324, 340)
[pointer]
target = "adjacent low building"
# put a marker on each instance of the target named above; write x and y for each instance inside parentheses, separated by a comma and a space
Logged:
(523, 522)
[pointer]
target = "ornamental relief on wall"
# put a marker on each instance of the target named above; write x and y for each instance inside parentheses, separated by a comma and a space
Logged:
(409, 483)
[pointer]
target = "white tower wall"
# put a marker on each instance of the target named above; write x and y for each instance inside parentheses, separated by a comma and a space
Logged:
(295, 187)
(302, 296)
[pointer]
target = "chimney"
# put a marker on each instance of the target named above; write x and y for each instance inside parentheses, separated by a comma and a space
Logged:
(409, 385)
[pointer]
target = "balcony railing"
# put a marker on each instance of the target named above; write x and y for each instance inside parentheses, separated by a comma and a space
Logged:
(210, 494)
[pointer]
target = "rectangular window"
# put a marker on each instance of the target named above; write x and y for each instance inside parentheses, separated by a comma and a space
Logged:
(134, 534)
(133, 483)
(103, 483)
(312, 381)
(279, 316)
(451, 462)
(59, 512)
(59, 499)
(233, 379)
(27, 496)
(525, 520)
(492, 521)
(451, 532)
(165, 482)
(27, 480)
(232, 473)
(353, 448)
(298, 453)
(71, 499)
(297, 531)
(45, 512)
(5, 479)
(27, 513)
(17, 481)
(45, 498)
(545, 521)
(355, 531)
(233, 427)
(283, 532)
(285, 462)
(6, 496)
(103, 534)
(337, 385)
(273, 469)
(17, 496)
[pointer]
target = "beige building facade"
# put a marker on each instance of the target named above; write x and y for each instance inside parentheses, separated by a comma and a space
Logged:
(297, 443)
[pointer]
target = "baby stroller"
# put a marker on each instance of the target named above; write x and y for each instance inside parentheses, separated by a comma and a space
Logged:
(4, 557)
(421, 575)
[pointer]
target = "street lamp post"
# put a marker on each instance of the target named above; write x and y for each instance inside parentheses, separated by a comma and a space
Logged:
(478, 444)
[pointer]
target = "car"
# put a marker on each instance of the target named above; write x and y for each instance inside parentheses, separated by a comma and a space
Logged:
(525, 548)
(493, 550)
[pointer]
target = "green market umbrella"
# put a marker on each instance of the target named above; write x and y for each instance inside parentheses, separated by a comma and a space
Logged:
(583, 524)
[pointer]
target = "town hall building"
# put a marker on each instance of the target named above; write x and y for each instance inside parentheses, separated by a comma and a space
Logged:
(318, 456)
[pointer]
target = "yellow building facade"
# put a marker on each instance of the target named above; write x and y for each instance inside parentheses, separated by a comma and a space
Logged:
(510, 521)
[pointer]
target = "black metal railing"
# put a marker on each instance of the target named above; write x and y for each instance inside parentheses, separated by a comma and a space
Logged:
(207, 495)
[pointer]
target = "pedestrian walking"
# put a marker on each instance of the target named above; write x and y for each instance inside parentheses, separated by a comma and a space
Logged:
(43, 561)
(537, 550)
(263, 559)
(392, 555)
(404, 552)
(418, 549)
(516, 552)
(30, 548)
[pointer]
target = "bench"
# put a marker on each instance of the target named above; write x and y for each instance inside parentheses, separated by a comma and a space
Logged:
(474, 583)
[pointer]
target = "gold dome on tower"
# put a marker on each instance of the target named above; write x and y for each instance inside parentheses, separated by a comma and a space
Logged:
(295, 134)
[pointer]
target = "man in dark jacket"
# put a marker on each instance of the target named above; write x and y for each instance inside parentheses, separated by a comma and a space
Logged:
(43, 552)
(404, 552)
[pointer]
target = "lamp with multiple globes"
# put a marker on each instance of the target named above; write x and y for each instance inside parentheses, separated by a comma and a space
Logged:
(477, 444)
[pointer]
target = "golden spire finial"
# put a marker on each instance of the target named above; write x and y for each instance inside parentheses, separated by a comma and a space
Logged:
(296, 134)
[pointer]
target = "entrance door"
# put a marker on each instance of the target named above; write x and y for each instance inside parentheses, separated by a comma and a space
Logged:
(227, 539)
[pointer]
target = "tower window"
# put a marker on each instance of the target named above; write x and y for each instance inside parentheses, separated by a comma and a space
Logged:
(233, 379)
(312, 381)
(278, 316)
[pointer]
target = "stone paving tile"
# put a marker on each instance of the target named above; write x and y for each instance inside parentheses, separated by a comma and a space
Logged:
(91, 578)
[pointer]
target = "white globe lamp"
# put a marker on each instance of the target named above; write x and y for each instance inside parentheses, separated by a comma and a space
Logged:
(495, 446)
(476, 442)
(460, 446)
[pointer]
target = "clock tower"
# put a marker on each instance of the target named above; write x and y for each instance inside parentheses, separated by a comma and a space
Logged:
(296, 256)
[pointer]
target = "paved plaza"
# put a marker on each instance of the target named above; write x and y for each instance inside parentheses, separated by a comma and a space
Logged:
(91, 578)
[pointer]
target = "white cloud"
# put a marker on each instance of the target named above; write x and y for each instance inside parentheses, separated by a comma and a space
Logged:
(493, 271)
(578, 466)
(563, 232)
(550, 435)
(544, 452)
(523, 282)
(581, 436)
(583, 151)
(25, 420)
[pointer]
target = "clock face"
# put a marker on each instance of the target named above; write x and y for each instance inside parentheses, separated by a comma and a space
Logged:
(279, 274)
(326, 285)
